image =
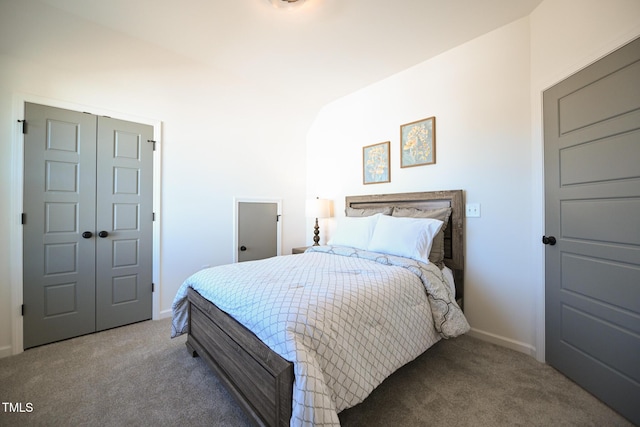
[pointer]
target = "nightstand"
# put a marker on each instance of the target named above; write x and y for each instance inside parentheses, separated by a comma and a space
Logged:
(299, 250)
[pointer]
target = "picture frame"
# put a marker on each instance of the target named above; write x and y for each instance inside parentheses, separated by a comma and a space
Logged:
(376, 163)
(418, 143)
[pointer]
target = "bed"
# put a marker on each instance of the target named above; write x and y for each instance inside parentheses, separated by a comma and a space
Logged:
(296, 375)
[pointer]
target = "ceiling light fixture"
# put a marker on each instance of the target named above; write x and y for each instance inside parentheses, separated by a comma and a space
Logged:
(286, 4)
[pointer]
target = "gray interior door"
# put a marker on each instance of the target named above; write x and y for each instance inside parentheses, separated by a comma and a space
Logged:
(85, 177)
(257, 230)
(58, 263)
(124, 218)
(592, 196)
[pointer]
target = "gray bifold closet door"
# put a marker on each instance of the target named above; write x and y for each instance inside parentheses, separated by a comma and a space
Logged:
(87, 233)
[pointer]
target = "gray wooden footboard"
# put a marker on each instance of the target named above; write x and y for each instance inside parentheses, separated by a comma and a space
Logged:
(259, 378)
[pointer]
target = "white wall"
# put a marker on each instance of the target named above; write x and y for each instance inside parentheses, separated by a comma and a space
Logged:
(486, 97)
(479, 94)
(218, 143)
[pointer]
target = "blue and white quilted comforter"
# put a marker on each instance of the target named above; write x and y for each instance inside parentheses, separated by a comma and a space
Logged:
(346, 318)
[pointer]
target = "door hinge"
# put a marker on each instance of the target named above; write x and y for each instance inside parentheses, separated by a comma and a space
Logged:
(23, 218)
(22, 310)
(153, 287)
(154, 143)
(24, 126)
(153, 216)
(278, 218)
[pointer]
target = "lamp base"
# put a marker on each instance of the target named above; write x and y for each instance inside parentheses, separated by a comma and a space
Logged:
(316, 234)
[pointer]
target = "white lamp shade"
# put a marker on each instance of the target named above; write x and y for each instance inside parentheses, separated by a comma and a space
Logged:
(319, 208)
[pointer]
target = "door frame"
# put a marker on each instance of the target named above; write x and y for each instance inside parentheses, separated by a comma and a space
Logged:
(236, 202)
(17, 199)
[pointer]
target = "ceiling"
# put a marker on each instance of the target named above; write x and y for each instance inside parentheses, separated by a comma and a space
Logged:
(313, 54)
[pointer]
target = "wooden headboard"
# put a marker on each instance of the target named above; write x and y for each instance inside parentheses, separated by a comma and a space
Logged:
(454, 233)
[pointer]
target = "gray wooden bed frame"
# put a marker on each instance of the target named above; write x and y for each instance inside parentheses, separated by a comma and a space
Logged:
(261, 380)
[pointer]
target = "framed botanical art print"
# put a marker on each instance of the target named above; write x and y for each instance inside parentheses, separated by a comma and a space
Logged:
(418, 143)
(375, 163)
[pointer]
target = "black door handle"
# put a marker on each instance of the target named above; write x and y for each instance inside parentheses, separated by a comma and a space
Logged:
(243, 248)
(87, 234)
(103, 234)
(549, 240)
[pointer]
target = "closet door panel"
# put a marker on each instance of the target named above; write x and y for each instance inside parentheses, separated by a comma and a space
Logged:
(59, 206)
(124, 215)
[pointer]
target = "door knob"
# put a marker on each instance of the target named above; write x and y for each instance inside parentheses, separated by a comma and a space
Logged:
(103, 234)
(87, 234)
(243, 248)
(549, 240)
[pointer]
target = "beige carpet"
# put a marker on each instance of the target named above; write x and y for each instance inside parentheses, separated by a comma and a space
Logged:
(137, 376)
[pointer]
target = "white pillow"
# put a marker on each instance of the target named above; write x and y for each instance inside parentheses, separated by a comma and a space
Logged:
(354, 232)
(406, 237)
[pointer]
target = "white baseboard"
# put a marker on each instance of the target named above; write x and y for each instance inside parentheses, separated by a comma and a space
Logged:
(5, 351)
(165, 314)
(503, 342)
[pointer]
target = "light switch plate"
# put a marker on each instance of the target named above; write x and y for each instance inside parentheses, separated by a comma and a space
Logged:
(473, 210)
